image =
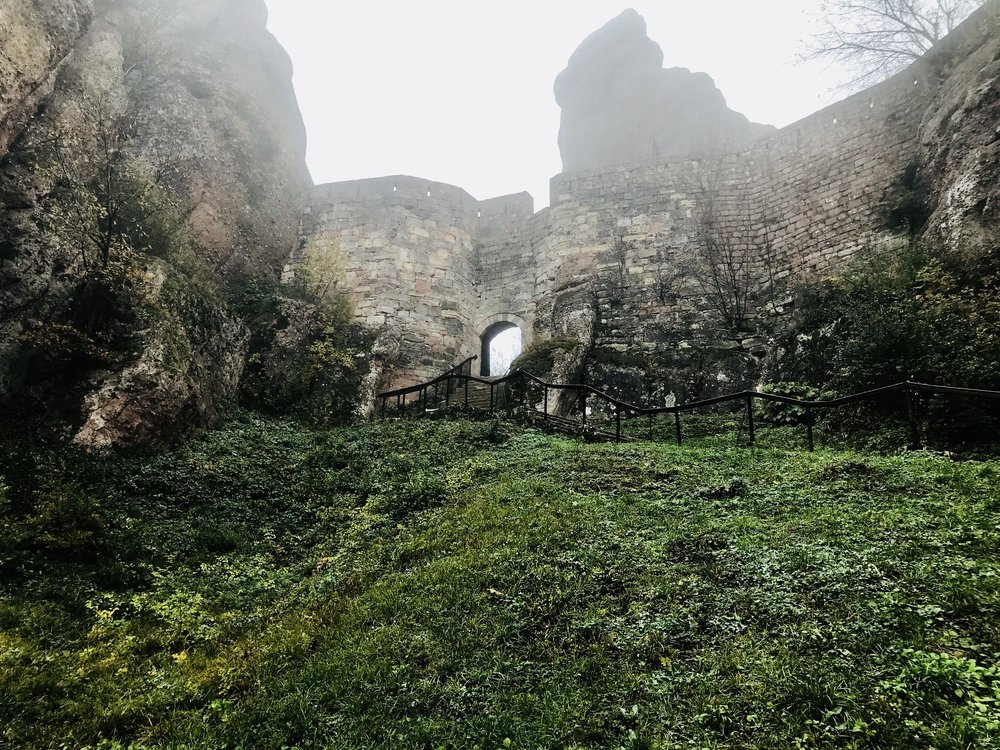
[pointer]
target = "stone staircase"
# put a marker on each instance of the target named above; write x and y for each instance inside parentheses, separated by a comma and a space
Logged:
(569, 426)
(479, 394)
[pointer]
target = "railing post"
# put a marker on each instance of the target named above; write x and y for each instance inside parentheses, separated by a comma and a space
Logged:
(400, 403)
(677, 426)
(809, 427)
(753, 436)
(423, 401)
(911, 416)
(618, 423)
(524, 390)
(492, 397)
(467, 388)
(545, 407)
(447, 392)
(583, 402)
(382, 412)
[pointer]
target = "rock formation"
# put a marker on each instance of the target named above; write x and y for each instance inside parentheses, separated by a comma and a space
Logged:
(189, 106)
(960, 139)
(621, 107)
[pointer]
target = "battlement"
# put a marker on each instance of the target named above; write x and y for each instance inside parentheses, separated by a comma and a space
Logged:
(519, 206)
(424, 197)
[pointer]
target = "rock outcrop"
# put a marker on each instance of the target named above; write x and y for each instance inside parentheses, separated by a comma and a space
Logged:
(189, 105)
(621, 107)
(960, 139)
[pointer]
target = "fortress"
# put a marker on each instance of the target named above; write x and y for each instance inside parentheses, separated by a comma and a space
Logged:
(435, 270)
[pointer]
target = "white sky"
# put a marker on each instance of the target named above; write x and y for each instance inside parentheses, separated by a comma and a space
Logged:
(460, 91)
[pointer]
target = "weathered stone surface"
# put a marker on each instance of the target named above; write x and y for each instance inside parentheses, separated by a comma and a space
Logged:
(182, 381)
(220, 97)
(36, 36)
(960, 138)
(621, 107)
(206, 91)
(40, 266)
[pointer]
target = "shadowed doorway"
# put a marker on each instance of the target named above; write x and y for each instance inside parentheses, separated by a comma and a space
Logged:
(501, 344)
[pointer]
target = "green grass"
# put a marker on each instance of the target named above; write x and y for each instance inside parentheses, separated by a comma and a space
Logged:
(459, 585)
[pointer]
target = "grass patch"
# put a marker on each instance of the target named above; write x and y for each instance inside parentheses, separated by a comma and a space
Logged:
(456, 585)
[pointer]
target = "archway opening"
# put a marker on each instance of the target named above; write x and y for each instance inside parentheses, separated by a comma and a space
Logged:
(501, 344)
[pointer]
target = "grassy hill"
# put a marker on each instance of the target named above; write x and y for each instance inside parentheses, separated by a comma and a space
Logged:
(460, 585)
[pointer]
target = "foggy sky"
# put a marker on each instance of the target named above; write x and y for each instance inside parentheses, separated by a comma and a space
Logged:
(460, 91)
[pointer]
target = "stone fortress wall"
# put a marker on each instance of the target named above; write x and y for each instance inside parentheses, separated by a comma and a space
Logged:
(434, 267)
(408, 249)
(817, 190)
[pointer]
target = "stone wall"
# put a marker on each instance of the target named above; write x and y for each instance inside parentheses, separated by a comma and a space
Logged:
(426, 263)
(505, 264)
(815, 193)
(408, 247)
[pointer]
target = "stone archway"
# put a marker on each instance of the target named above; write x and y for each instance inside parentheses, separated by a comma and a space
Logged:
(497, 326)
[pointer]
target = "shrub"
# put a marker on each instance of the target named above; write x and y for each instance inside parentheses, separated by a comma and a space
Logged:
(788, 415)
(307, 355)
(916, 314)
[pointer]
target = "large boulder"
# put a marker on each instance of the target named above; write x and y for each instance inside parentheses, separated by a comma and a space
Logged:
(620, 106)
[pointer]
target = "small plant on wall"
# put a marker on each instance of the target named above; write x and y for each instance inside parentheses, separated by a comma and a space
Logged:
(732, 266)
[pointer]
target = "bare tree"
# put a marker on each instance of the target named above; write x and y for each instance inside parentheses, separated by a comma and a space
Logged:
(874, 39)
(618, 255)
(733, 264)
(118, 203)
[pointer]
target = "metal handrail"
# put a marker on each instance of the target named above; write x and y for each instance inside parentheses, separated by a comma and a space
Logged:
(457, 369)
(908, 388)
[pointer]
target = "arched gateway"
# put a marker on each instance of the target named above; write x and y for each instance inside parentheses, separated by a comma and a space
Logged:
(502, 338)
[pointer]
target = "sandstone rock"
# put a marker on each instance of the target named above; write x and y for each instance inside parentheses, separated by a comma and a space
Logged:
(961, 140)
(184, 378)
(40, 263)
(212, 117)
(36, 37)
(620, 106)
(218, 97)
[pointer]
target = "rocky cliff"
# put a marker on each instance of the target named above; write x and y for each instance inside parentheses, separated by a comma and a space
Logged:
(36, 38)
(621, 107)
(161, 167)
(960, 139)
